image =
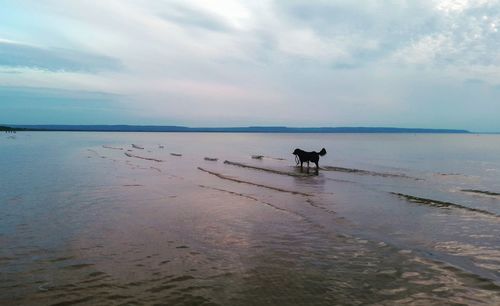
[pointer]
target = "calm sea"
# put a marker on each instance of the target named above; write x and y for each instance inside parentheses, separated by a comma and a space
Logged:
(390, 219)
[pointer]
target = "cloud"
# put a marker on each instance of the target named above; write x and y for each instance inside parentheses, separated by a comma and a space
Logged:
(270, 62)
(467, 36)
(194, 18)
(437, 34)
(54, 59)
(48, 105)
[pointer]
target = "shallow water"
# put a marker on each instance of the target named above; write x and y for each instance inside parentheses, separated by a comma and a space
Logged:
(82, 222)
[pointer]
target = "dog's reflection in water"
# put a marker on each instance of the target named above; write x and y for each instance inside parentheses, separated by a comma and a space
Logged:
(302, 156)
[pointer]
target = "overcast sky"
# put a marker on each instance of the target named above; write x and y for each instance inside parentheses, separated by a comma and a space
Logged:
(429, 64)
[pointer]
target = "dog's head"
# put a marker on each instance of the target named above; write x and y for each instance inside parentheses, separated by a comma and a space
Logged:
(296, 151)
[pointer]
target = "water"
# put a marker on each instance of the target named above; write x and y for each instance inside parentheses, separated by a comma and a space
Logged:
(82, 222)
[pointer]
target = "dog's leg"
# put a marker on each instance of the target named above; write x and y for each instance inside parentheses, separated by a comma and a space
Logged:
(317, 167)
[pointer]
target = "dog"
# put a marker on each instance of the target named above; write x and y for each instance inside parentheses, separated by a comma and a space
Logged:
(302, 156)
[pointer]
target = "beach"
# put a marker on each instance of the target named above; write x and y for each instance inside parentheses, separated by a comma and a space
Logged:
(105, 218)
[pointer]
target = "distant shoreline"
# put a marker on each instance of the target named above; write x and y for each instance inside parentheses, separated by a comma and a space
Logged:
(4, 128)
(251, 129)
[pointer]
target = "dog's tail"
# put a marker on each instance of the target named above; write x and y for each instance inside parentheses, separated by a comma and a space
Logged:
(322, 152)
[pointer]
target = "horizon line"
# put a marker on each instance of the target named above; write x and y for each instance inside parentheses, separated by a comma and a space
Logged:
(250, 128)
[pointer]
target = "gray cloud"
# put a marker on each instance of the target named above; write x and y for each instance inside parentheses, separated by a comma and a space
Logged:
(54, 59)
(367, 32)
(440, 33)
(21, 105)
(193, 18)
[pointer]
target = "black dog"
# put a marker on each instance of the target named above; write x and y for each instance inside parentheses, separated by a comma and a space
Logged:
(303, 156)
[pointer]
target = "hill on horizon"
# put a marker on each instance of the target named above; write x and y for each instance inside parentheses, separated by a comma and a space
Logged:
(249, 129)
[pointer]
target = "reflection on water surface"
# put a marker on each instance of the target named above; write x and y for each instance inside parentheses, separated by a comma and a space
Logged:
(88, 218)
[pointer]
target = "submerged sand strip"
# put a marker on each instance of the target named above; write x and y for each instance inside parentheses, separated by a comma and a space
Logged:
(264, 156)
(227, 162)
(254, 184)
(141, 157)
(441, 204)
(313, 204)
(275, 158)
(112, 148)
(251, 198)
(93, 151)
(96, 153)
(482, 192)
(366, 172)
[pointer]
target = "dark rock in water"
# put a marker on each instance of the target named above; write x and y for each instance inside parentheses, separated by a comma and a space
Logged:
(175, 154)
(137, 147)
(211, 158)
(257, 156)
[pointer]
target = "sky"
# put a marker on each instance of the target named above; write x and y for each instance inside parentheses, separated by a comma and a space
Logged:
(421, 63)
